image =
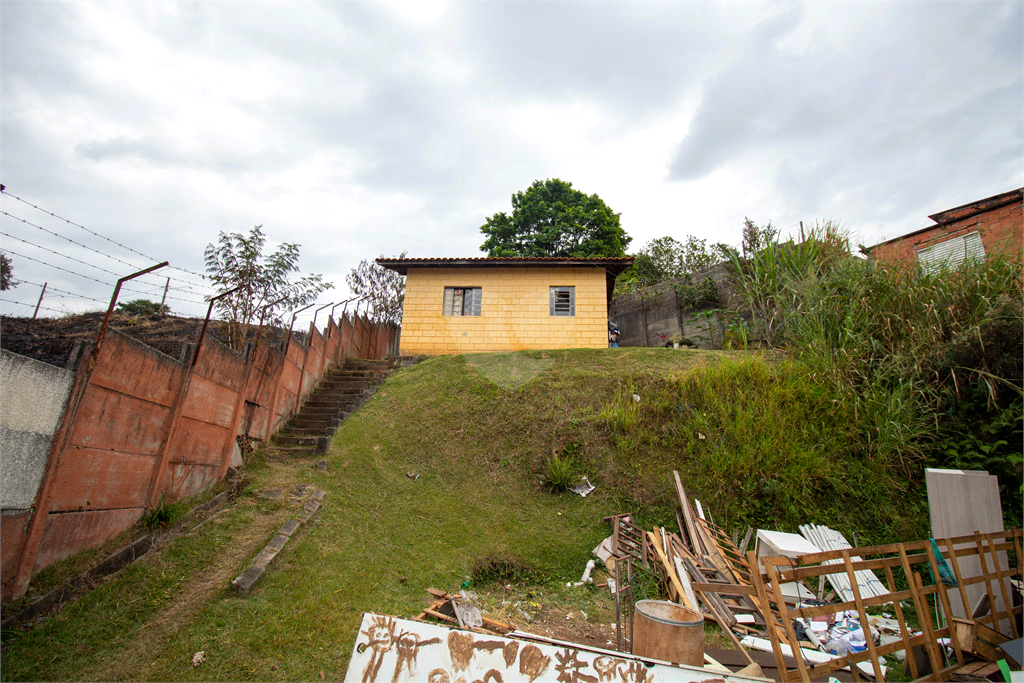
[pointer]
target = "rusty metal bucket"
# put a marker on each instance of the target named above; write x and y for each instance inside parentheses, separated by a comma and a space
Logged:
(670, 632)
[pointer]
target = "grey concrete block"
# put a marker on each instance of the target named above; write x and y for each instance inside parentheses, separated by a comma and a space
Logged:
(323, 443)
(289, 527)
(318, 495)
(278, 541)
(321, 465)
(123, 557)
(246, 580)
(264, 557)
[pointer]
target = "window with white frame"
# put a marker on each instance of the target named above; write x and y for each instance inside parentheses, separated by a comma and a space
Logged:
(563, 301)
(952, 252)
(460, 301)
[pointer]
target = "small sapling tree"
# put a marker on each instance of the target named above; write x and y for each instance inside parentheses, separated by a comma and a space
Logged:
(237, 260)
(382, 289)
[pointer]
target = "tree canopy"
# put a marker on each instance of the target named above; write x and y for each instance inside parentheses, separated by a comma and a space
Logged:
(238, 261)
(383, 289)
(550, 218)
(6, 273)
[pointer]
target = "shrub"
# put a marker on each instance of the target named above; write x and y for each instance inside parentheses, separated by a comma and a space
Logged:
(143, 308)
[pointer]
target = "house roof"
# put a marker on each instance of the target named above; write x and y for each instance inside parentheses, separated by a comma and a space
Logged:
(960, 213)
(613, 266)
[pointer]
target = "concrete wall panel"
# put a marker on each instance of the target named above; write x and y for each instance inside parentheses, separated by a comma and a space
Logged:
(209, 402)
(99, 479)
(33, 396)
(116, 422)
(184, 480)
(12, 539)
(197, 441)
(130, 367)
(67, 533)
(220, 364)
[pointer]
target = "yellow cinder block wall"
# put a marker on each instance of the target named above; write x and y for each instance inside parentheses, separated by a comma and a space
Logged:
(514, 310)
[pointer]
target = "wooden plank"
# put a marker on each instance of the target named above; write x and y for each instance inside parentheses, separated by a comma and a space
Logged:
(1004, 592)
(988, 588)
(695, 540)
(862, 615)
(902, 621)
(671, 572)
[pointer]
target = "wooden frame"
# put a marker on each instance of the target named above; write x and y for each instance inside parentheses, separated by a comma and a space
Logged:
(903, 563)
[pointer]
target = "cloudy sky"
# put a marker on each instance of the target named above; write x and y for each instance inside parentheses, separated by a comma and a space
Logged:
(365, 128)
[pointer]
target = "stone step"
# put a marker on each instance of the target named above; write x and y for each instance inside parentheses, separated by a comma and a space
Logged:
(308, 431)
(304, 421)
(306, 441)
(344, 383)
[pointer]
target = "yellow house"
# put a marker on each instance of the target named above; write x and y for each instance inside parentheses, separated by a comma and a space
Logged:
(457, 305)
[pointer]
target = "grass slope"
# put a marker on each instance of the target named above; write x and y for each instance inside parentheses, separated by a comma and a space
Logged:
(754, 439)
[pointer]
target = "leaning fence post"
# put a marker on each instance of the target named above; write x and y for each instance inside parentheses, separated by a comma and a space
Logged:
(163, 460)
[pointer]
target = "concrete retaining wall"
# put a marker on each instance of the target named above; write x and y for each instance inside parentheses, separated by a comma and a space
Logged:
(87, 451)
(643, 316)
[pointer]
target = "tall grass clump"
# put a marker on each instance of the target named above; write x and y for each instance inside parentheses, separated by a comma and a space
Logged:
(928, 363)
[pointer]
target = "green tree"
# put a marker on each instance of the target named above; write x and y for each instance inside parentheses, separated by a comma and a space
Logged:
(666, 258)
(383, 289)
(757, 237)
(144, 308)
(6, 273)
(550, 218)
(238, 261)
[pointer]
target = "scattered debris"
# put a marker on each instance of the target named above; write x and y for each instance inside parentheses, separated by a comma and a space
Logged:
(583, 488)
(585, 579)
(198, 658)
(458, 610)
(412, 475)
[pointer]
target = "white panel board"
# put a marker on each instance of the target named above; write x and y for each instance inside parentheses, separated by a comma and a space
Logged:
(389, 650)
(961, 502)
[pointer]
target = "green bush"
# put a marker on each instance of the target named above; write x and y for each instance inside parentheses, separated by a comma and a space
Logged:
(143, 308)
(928, 364)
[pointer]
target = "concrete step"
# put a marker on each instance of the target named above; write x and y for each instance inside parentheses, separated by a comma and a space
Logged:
(308, 431)
(314, 422)
(306, 441)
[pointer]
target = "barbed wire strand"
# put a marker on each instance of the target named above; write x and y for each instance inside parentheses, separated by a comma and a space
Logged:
(50, 287)
(81, 275)
(93, 232)
(84, 263)
(32, 306)
(96, 251)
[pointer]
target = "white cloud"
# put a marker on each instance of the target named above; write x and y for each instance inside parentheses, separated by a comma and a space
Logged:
(358, 129)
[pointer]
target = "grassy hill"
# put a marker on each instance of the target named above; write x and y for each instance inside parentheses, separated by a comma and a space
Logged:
(440, 479)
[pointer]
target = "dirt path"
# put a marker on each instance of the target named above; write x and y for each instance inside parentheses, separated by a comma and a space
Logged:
(138, 660)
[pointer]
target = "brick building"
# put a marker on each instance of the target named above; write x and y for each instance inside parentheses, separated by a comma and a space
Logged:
(457, 305)
(987, 226)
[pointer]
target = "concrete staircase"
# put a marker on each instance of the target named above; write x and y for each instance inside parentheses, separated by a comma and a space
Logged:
(339, 394)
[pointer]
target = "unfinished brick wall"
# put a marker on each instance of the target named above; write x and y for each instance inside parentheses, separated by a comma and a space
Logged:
(999, 220)
(652, 316)
(141, 427)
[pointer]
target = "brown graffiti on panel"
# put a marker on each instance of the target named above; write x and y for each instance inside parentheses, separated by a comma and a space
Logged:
(381, 636)
(569, 668)
(509, 652)
(407, 645)
(532, 662)
(460, 647)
